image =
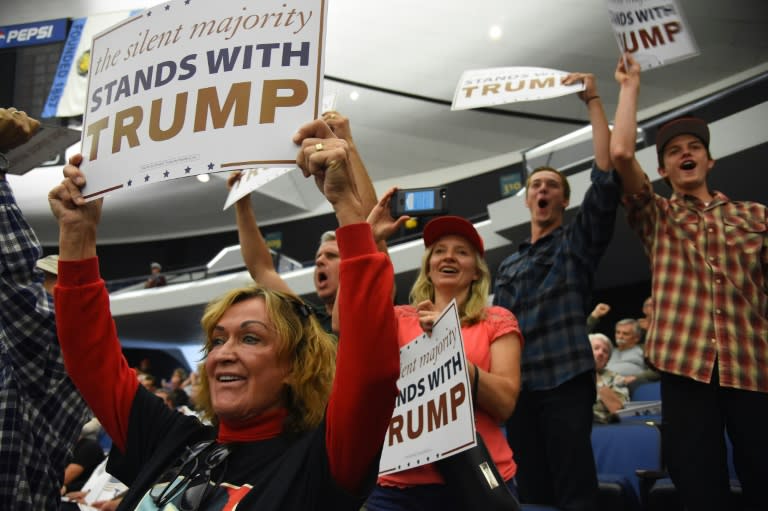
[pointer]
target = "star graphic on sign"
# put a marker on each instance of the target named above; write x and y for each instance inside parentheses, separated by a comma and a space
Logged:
(129, 182)
(186, 2)
(166, 173)
(188, 169)
(146, 178)
(167, 7)
(149, 13)
(210, 166)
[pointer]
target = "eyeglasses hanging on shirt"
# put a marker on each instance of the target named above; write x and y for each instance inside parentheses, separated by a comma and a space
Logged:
(192, 483)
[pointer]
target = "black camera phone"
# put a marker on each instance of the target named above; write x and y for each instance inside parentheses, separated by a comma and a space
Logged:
(419, 202)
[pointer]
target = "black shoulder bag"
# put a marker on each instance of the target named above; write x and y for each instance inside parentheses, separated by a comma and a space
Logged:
(473, 477)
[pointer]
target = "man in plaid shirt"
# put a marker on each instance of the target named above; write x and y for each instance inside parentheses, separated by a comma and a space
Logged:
(709, 332)
(41, 413)
(547, 284)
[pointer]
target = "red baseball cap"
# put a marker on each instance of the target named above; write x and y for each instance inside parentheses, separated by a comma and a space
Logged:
(444, 225)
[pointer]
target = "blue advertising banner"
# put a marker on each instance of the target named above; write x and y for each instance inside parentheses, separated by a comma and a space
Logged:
(28, 34)
(70, 83)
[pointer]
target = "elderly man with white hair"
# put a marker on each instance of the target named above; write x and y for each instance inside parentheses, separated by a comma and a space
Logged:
(612, 391)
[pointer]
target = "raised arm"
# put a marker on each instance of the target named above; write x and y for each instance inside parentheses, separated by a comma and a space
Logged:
(367, 366)
(253, 247)
(600, 310)
(15, 128)
(601, 134)
(87, 333)
(339, 124)
(381, 220)
(625, 128)
(77, 218)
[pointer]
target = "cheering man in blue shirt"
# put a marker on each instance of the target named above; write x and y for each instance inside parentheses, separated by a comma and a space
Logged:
(547, 284)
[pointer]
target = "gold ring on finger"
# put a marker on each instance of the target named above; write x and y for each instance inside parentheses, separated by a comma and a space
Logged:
(319, 146)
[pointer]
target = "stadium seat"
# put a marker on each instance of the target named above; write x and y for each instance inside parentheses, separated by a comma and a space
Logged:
(650, 391)
(620, 450)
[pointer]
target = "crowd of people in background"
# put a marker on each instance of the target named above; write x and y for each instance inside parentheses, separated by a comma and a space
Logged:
(290, 403)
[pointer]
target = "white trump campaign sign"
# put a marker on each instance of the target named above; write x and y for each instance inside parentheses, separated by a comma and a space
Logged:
(653, 31)
(433, 417)
(190, 87)
(253, 179)
(487, 87)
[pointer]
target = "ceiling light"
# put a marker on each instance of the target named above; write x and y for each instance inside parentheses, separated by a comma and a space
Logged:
(354, 95)
(203, 178)
(494, 32)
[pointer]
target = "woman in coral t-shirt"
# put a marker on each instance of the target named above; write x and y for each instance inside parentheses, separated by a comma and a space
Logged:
(453, 267)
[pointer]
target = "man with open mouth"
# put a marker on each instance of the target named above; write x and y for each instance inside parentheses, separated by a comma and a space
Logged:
(547, 284)
(708, 333)
(256, 254)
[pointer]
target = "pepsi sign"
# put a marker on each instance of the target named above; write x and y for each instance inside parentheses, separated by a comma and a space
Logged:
(28, 34)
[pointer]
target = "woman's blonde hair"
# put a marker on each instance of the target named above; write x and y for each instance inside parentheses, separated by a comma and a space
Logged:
(311, 350)
(473, 309)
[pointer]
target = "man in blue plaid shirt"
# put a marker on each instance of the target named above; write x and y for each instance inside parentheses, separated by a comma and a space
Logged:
(547, 284)
(41, 412)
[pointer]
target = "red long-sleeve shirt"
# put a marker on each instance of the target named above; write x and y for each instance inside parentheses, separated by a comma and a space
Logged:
(367, 367)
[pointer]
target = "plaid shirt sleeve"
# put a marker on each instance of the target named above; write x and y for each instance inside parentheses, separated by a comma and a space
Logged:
(27, 315)
(594, 223)
(41, 412)
(642, 214)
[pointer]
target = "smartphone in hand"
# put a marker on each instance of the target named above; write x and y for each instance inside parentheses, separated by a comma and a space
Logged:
(419, 202)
